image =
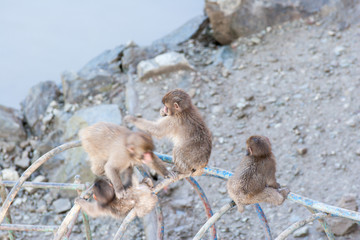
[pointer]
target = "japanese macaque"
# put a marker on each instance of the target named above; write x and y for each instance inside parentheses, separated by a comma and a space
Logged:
(138, 196)
(115, 149)
(183, 124)
(254, 179)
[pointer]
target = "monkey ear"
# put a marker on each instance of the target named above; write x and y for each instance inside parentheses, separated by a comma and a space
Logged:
(250, 151)
(131, 148)
(177, 107)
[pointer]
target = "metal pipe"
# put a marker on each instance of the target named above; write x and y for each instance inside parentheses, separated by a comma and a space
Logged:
(322, 207)
(28, 228)
(7, 216)
(213, 219)
(71, 215)
(263, 221)
(160, 222)
(324, 224)
(128, 219)
(63, 186)
(30, 170)
(299, 224)
(205, 202)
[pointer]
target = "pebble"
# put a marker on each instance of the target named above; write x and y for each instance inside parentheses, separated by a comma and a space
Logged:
(10, 174)
(61, 205)
(357, 152)
(22, 162)
(302, 151)
(338, 50)
(301, 232)
(351, 122)
(255, 40)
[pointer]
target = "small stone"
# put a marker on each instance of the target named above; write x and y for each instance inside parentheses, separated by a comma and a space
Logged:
(10, 174)
(218, 109)
(201, 105)
(180, 204)
(22, 162)
(357, 152)
(351, 122)
(302, 151)
(39, 178)
(261, 108)
(331, 33)
(221, 140)
(8, 147)
(61, 205)
(339, 50)
(255, 40)
(47, 118)
(192, 92)
(301, 232)
(342, 226)
(222, 190)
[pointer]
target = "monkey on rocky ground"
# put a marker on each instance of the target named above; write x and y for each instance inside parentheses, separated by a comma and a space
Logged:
(183, 124)
(254, 179)
(114, 149)
(138, 196)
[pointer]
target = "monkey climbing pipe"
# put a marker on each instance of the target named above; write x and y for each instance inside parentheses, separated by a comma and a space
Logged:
(319, 210)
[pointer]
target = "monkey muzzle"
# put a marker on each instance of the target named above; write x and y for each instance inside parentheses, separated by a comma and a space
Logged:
(147, 157)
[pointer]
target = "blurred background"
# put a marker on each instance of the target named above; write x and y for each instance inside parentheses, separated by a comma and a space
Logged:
(41, 39)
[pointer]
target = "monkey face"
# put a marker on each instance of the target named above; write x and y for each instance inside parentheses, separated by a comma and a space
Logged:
(103, 191)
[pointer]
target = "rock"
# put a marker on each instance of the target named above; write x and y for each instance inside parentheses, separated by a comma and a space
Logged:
(338, 50)
(11, 128)
(132, 56)
(189, 30)
(104, 64)
(91, 115)
(78, 89)
(23, 162)
(10, 174)
(39, 178)
(301, 232)
(231, 19)
(7, 147)
(341, 226)
(162, 64)
(61, 205)
(351, 122)
(36, 102)
(302, 151)
(180, 203)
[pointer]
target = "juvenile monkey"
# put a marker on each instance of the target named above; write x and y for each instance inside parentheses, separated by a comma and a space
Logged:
(115, 149)
(183, 124)
(138, 196)
(254, 179)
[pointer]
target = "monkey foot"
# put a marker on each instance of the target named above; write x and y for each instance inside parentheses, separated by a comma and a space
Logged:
(148, 182)
(284, 191)
(240, 208)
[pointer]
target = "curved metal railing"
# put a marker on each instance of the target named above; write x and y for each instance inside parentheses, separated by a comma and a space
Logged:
(319, 210)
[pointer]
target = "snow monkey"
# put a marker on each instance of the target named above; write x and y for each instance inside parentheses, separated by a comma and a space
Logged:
(139, 196)
(183, 124)
(114, 149)
(254, 179)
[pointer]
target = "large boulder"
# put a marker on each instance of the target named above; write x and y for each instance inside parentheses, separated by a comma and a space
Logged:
(191, 29)
(11, 128)
(162, 64)
(231, 19)
(36, 102)
(75, 160)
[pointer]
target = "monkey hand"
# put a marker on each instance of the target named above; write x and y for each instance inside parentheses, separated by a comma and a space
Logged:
(129, 119)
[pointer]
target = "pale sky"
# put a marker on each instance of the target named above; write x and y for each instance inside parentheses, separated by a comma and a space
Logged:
(40, 39)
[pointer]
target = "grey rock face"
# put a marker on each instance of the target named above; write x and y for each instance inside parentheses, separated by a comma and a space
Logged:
(11, 128)
(76, 90)
(36, 103)
(190, 29)
(232, 19)
(162, 64)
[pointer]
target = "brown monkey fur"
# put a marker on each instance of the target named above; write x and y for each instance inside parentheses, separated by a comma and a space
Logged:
(139, 196)
(254, 179)
(183, 124)
(114, 149)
